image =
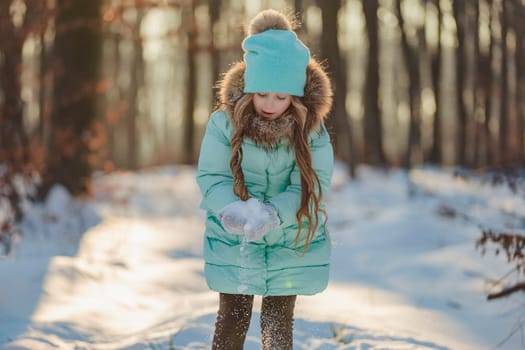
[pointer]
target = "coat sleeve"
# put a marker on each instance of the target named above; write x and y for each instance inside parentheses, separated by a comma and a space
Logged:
(214, 175)
(288, 202)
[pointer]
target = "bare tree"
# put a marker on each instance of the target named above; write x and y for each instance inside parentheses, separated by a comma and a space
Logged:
(514, 136)
(76, 53)
(373, 130)
(330, 51)
(504, 111)
(482, 94)
(45, 20)
(136, 81)
(191, 88)
(435, 152)
(18, 20)
(459, 16)
(519, 24)
(214, 11)
(412, 62)
(298, 6)
(13, 138)
(491, 152)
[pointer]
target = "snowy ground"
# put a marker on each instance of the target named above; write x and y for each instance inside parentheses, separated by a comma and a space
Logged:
(403, 275)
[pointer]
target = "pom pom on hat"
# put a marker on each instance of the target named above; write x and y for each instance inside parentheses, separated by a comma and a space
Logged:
(276, 61)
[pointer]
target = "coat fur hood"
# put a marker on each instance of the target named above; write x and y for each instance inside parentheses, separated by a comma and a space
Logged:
(317, 94)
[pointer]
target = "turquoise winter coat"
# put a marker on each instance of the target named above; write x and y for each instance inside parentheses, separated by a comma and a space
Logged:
(275, 264)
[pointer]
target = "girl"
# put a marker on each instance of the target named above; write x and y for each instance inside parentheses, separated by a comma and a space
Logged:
(265, 163)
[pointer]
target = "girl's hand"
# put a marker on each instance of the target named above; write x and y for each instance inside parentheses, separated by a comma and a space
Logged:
(262, 220)
(233, 217)
(252, 218)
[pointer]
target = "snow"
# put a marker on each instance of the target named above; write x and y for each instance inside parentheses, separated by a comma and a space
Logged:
(251, 218)
(125, 270)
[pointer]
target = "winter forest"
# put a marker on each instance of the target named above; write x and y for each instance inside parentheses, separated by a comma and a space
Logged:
(103, 106)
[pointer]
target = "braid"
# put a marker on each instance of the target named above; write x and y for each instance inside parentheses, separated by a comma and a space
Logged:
(311, 191)
(239, 187)
(239, 114)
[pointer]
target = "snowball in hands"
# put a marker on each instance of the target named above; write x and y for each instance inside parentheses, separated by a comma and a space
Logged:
(233, 217)
(262, 219)
(252, 218)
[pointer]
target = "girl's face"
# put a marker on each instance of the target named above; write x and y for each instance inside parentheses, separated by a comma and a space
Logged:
(271, 105)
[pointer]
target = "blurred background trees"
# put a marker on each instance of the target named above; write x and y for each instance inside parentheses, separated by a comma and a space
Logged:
(109, 84)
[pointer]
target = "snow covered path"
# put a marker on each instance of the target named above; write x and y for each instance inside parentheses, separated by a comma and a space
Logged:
(403, 277)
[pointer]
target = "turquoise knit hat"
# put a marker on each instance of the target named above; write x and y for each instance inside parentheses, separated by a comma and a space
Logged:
(276, 61)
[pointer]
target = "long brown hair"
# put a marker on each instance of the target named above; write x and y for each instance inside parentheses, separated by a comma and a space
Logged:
(311, 191)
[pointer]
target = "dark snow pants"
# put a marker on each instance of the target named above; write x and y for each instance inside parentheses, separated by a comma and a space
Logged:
(233, 320)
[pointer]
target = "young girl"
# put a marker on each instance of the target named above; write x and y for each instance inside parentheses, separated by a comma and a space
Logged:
(265, 163)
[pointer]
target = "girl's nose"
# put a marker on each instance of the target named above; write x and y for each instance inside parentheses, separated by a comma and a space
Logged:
(268, 103)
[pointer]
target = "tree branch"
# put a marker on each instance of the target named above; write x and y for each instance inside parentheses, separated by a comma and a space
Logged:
(507, 291)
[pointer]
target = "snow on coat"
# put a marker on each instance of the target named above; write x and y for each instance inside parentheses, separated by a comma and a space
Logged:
(274, 264)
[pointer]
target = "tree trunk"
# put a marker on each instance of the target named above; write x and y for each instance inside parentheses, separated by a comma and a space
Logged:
(191, 88)
(435, 152)
(504, 148)
(137, 79)
(373, 130)
(459, 16)
(477, 127)
(45, 91)
(482, 99)
(77, 51)
(412, 63)
(112, 102)
(214, 11)
(520, 73)
(13, 139)
(299, 11)
(339, 121)
(298, 6)
(514, 136)
(491, 152)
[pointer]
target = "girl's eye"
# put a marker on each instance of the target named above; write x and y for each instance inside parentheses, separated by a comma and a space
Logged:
(281, 98)
(261, 94)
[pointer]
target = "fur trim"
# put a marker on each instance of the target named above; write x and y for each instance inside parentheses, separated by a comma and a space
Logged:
(268, 133)
(317, 96)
